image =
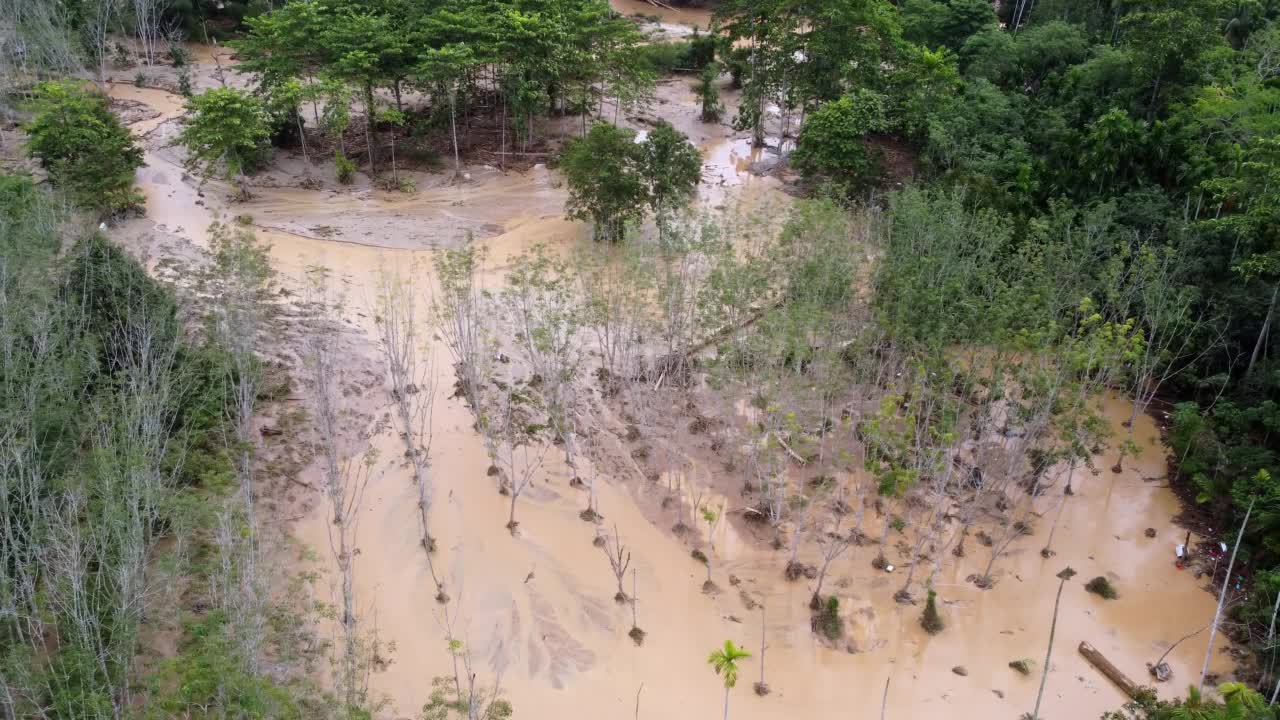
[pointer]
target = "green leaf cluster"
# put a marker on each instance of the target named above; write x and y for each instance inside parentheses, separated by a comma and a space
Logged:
(613, 176)
(84, 147)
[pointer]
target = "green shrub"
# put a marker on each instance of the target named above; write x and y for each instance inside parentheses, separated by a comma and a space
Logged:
(77, 686)
(930, 620)
(121, 57)
(701, 52)
(662, 58)
(345, 168)
(118, 298)
(208, 672)
(29, 227)
(828, 620)
(709, 94)
(1102, 587)
(832, 143)
(179, 56)
(84, 148)
(605, 186)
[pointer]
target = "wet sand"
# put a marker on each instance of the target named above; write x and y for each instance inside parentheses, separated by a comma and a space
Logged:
(557, 639)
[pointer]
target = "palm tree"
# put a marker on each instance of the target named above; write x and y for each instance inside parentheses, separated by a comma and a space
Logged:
(725, 662)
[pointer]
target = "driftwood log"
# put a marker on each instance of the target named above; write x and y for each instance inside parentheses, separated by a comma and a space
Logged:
(1106, 667)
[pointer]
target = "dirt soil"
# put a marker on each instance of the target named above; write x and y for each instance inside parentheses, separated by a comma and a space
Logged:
(538, 610)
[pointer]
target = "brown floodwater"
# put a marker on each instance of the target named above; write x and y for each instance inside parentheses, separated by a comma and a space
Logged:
(537, 609)
(673, 21)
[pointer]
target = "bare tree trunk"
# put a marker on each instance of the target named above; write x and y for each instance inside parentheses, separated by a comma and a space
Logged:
(1048, 653)
(302, 136)
(1160, 661)
(1048, 550)
(1262, 334)
(368, 125)
(148, 15)
(1222, 596)
(413, 388)
(884, 699)
(453, 129)
(345, 482)
(1271, 633)
(764, 645)
(395, 176)
(98, 28)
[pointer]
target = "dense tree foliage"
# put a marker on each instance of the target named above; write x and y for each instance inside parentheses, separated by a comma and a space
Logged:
(84, 147)
(504, 63)
(226, 133)
(114, 422)
(1131, 143)
(833, 143)
(613, 176)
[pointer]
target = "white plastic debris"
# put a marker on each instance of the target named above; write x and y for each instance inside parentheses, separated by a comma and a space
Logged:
(888, 568)
(1180, 550)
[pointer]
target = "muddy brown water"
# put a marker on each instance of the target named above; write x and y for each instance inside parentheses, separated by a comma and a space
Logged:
(673, 22)
(537, 609)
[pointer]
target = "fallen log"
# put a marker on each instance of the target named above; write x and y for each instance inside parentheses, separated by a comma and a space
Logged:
(1106, 667)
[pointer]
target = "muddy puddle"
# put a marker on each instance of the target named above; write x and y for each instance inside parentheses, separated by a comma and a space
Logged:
(439, 213)
(537, 610)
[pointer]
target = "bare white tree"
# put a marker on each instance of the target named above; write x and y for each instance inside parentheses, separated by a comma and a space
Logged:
(345, 478)
(457, 313)
(148, 19)
(411, 375)
(540, 306)
(512, 440)
(100, 18)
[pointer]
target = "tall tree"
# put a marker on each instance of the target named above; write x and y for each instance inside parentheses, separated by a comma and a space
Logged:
(670, 169)
(227, 130)
(1063, 577)
(604, 185)
(84, 148)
